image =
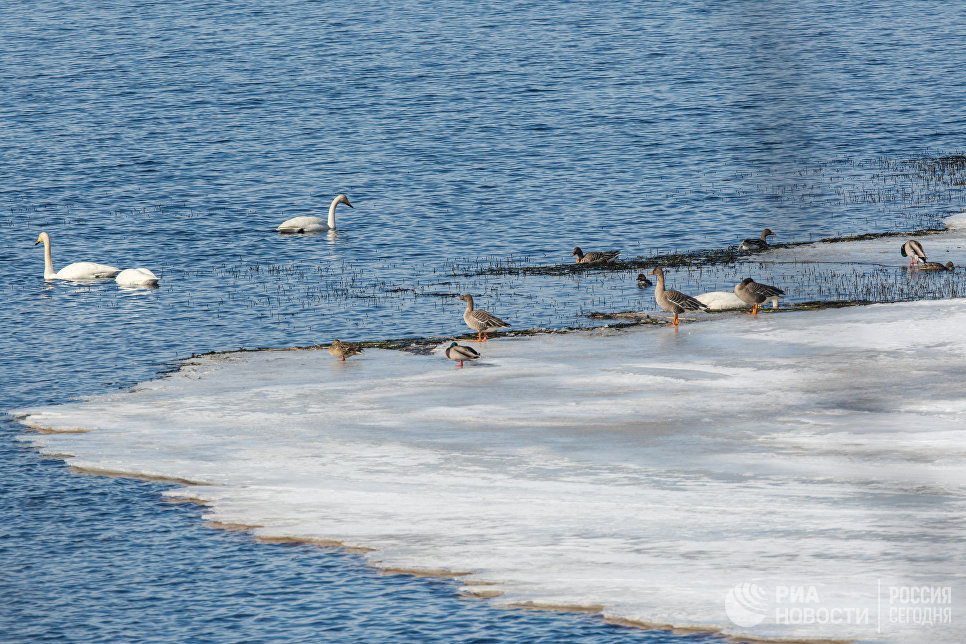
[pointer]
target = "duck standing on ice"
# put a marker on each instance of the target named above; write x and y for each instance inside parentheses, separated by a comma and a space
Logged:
(458, 353)
(343, 350)
(913, 250)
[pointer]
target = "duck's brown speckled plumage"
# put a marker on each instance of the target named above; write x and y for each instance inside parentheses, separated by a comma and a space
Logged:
(595, 257)
(343, 350)
(936, 266)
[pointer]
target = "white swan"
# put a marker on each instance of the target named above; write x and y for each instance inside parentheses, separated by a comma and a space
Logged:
(75, 271)
(313, 224)
(724, 301)
(136, 277)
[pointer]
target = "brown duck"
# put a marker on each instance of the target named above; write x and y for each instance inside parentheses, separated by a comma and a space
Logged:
(594, 258)
(757, 244)
(343, 350)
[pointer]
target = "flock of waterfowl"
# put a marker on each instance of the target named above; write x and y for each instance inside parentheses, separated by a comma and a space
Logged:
(746, 293)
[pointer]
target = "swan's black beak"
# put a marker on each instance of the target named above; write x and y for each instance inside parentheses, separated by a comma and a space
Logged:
(36, 242)
(348, 204)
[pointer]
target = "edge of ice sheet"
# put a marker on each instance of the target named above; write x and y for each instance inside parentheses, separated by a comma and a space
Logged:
(650, 472)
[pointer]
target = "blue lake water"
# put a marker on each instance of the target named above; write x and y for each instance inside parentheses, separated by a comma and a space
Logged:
(177, 137)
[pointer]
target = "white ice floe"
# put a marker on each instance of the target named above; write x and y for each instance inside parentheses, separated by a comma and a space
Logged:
(736, 475)
(949, 245)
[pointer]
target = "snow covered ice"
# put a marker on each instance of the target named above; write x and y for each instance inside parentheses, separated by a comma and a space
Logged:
(818, 457)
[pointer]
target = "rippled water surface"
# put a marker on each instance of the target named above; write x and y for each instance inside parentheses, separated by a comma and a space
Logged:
(177, 136)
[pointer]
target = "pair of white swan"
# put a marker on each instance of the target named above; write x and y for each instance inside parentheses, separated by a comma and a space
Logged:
(92, 271)
(313, 224)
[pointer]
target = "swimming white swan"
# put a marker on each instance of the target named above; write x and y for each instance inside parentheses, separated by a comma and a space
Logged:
(313, 224)
(75, 271)
(136, 277)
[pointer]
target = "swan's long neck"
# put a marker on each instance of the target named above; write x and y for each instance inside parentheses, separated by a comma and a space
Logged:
(335, 202)
(48, 262)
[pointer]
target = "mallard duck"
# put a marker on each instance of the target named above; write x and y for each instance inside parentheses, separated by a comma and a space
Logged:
(913, 250)
(75, 271)
(459, 353)
(343, 350)
(751, 292)
(480, 321)
(674, 301)
(936, 266)
(594, 258)
(313, 224)
(757, 244)
(642, 281)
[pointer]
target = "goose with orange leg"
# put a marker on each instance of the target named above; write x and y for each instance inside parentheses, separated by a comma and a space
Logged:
(672, 301)
(479, 320)
(754, 293)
